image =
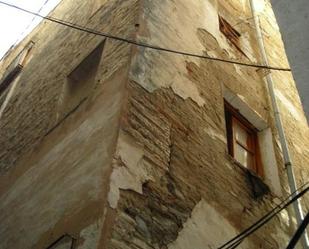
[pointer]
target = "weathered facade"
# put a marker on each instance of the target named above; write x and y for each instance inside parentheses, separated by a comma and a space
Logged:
(108, 145)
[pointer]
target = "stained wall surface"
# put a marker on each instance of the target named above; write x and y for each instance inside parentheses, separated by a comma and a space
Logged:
(60, 125)
(141, 160)
(190, 193)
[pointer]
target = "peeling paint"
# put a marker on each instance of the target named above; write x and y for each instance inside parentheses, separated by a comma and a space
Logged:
(170, 70)
(187, 90)
(203, 230)
(132, 174)
(160, 155)
(178, 82)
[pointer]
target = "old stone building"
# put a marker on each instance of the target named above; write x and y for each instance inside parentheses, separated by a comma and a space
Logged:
(105, 144)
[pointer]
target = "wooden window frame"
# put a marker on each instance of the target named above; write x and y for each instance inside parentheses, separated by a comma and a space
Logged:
(233, 117)
(230, 33)
(14, 69)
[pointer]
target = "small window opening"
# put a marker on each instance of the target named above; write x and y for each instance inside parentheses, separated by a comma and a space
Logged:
(81, 81)
(14, 69)
(242, 140)
(230, 33)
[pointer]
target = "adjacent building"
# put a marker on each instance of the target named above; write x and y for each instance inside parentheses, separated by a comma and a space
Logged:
(105, 144)
(293, 20)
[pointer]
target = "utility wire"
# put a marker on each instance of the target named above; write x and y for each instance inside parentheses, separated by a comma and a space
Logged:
(39, 11)
(234, 242)
(239, 238)
(26, 28)
(32, 20)
(29, 25)
(262, 222)
(252, 230)
(141, 44)
(299, 232)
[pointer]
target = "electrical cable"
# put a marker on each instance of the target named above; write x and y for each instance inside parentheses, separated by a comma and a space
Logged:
(266, 218)
(235, 244)
(299, 232)
(255, 226)
(25, 30)
(39, 11)
(30, 23)
(252, 230)
(141, 44)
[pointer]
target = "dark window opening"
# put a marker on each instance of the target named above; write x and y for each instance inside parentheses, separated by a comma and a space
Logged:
(230, 33)
(15, 67)
(81, 81)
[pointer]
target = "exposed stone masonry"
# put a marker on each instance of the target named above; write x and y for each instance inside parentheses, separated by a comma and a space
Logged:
(138, 158)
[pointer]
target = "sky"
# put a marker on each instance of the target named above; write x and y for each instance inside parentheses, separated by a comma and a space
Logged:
(15, 25)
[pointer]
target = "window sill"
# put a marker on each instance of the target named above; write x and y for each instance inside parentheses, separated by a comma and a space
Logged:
(258, 186)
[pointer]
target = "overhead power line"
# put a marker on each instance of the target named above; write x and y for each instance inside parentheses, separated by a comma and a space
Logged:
(31, 22)
(234, 242)
(142, 44)
(299, 232)
(39, 11)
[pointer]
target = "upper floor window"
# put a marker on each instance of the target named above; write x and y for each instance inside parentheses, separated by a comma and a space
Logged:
(80, 81)
(15, 67)
(242, 140)
(230, 33)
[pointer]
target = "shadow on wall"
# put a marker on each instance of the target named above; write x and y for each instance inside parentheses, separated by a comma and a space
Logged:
(80, 82)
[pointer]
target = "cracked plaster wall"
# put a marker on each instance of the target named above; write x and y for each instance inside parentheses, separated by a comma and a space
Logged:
(55, 167)
(129, 171)
(152, 165)
(202, 230)
(184, 95)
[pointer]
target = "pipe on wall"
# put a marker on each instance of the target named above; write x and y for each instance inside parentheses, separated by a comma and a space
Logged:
(285, 149)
